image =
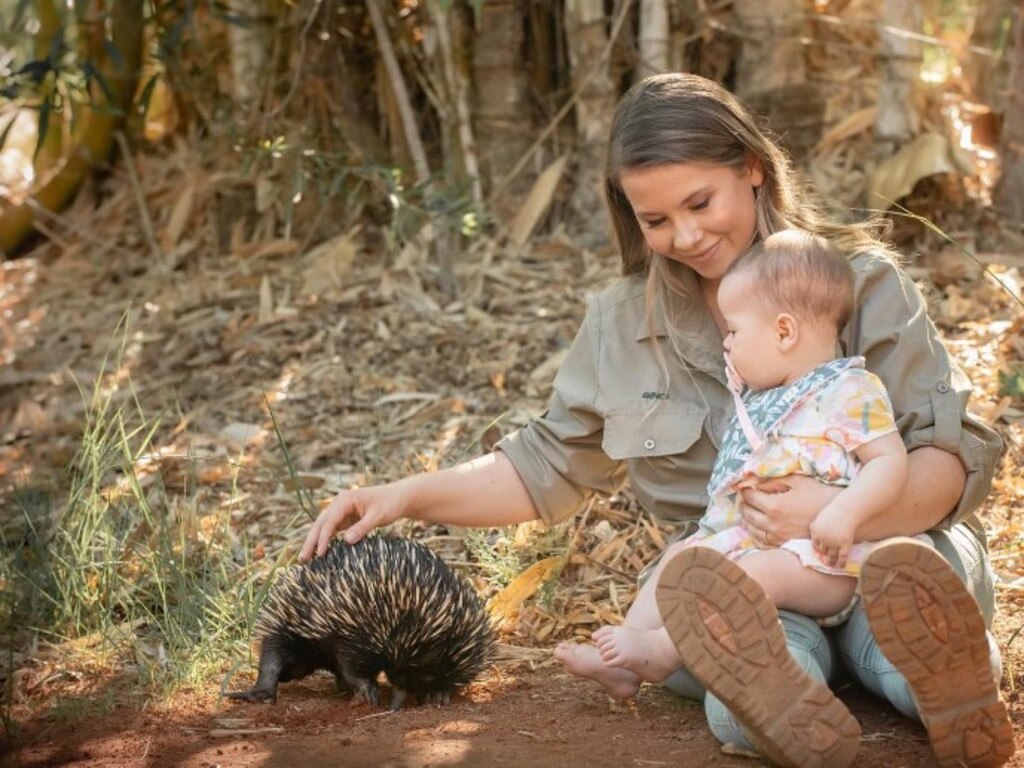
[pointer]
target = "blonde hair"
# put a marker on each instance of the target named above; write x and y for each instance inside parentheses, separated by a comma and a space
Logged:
(676, 118)
(800, 273)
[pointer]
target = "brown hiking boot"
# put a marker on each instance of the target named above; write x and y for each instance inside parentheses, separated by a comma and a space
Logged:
(729, 637)
(930, 627)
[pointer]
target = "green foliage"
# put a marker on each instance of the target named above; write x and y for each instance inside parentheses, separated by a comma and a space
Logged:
(502, 557)
(334, 177)
(129, 564)
(1011, 383)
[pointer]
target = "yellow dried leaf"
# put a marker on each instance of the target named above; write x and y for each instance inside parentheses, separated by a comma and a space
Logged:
(927, 155)
(857, 122)
(543, 631)
(506, 603)
(328, 265)
(537, 201)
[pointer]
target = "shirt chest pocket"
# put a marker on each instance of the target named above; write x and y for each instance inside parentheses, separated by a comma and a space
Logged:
(664, 430)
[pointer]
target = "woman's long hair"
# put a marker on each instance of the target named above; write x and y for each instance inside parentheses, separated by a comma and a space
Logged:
(683, 118)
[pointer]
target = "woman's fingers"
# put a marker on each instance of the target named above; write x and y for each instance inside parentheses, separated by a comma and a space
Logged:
(750, 511)
(324, 527)
(360, 528)
(309, 545)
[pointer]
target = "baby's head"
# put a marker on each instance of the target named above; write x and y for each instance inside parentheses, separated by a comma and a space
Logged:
(784, 303)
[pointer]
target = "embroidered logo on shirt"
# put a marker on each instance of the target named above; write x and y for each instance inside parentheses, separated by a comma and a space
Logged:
(655, 395)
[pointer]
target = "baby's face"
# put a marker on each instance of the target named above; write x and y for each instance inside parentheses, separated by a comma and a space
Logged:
(751, 336)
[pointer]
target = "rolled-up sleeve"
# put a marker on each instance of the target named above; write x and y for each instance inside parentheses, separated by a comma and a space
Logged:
(929, 392)
(559, 456)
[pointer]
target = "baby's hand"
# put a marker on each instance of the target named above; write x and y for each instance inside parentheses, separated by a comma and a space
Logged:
(832, 533)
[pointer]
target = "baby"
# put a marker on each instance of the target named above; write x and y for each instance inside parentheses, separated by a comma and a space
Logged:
(803, 412)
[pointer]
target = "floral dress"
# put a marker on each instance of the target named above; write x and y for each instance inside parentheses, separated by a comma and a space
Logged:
(810, 427)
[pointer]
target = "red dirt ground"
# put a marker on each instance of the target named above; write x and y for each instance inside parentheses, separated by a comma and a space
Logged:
(513, 716)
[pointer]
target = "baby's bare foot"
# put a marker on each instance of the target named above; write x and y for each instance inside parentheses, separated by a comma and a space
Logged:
(650, 653)
(585, 661)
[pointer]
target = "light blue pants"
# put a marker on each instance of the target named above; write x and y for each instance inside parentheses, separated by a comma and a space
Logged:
(820, 651)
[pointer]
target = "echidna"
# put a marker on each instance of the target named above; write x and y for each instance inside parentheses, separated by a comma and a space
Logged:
(382, 605)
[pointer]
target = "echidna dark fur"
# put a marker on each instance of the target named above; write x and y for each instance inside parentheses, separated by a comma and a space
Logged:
(382, 605)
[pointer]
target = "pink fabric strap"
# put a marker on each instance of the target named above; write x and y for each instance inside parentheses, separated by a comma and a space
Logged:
(736, 387)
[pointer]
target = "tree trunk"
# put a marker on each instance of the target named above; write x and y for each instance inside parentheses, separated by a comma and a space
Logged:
(771, 55)
(654, 38)
(586, 30)
(456, 109)
(1009, 193)
(99, 122)
(403, 105)
(501, 96)
(986, 72)
(897, 120)
(771, 71)
(251, 42)
(698, 43)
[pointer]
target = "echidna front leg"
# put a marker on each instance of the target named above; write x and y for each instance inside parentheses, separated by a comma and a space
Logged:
(363, 686)
(271, 665)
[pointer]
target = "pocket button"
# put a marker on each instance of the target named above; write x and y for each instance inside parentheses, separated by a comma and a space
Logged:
(649, 444)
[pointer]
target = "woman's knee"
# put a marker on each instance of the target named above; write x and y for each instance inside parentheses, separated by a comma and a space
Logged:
(967, 556)
(808, 644)
(723, 725)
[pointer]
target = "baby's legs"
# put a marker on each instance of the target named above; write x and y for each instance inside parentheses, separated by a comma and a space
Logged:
(640, 643)
(794, 587)
(638, 650)
(643, 613)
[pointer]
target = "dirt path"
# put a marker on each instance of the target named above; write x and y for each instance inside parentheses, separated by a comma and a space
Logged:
(511, 717)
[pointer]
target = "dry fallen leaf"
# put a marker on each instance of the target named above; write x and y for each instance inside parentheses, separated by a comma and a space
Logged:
(507, 603)
(927, 155)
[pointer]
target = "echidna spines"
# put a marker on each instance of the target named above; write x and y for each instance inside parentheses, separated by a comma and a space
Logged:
(384, 604)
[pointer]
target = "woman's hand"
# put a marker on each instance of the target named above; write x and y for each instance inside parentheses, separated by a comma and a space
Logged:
(364, 509)
(782, 508)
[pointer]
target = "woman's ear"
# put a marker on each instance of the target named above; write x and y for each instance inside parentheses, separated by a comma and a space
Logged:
(787, 331)
(755, 170)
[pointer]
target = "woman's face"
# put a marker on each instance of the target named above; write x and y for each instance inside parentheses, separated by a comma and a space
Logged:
(699, 214)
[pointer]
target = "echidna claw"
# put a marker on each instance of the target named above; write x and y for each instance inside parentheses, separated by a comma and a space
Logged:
(370, 692)
(254, 695)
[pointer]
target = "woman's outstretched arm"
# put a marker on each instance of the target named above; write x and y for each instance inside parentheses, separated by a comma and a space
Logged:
(483, 492)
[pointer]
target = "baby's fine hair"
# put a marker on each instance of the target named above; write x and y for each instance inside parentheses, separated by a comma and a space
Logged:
(803, 274)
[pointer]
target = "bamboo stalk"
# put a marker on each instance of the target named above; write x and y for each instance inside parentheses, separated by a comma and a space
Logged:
(97, 136)
(458, 90)
(602, 60)
(387, 53)
(654, 37)
(50, 144)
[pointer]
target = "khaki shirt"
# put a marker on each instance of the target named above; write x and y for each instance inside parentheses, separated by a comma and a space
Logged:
(613, 417)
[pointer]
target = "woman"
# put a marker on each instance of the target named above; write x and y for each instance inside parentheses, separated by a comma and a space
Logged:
(691, 183)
